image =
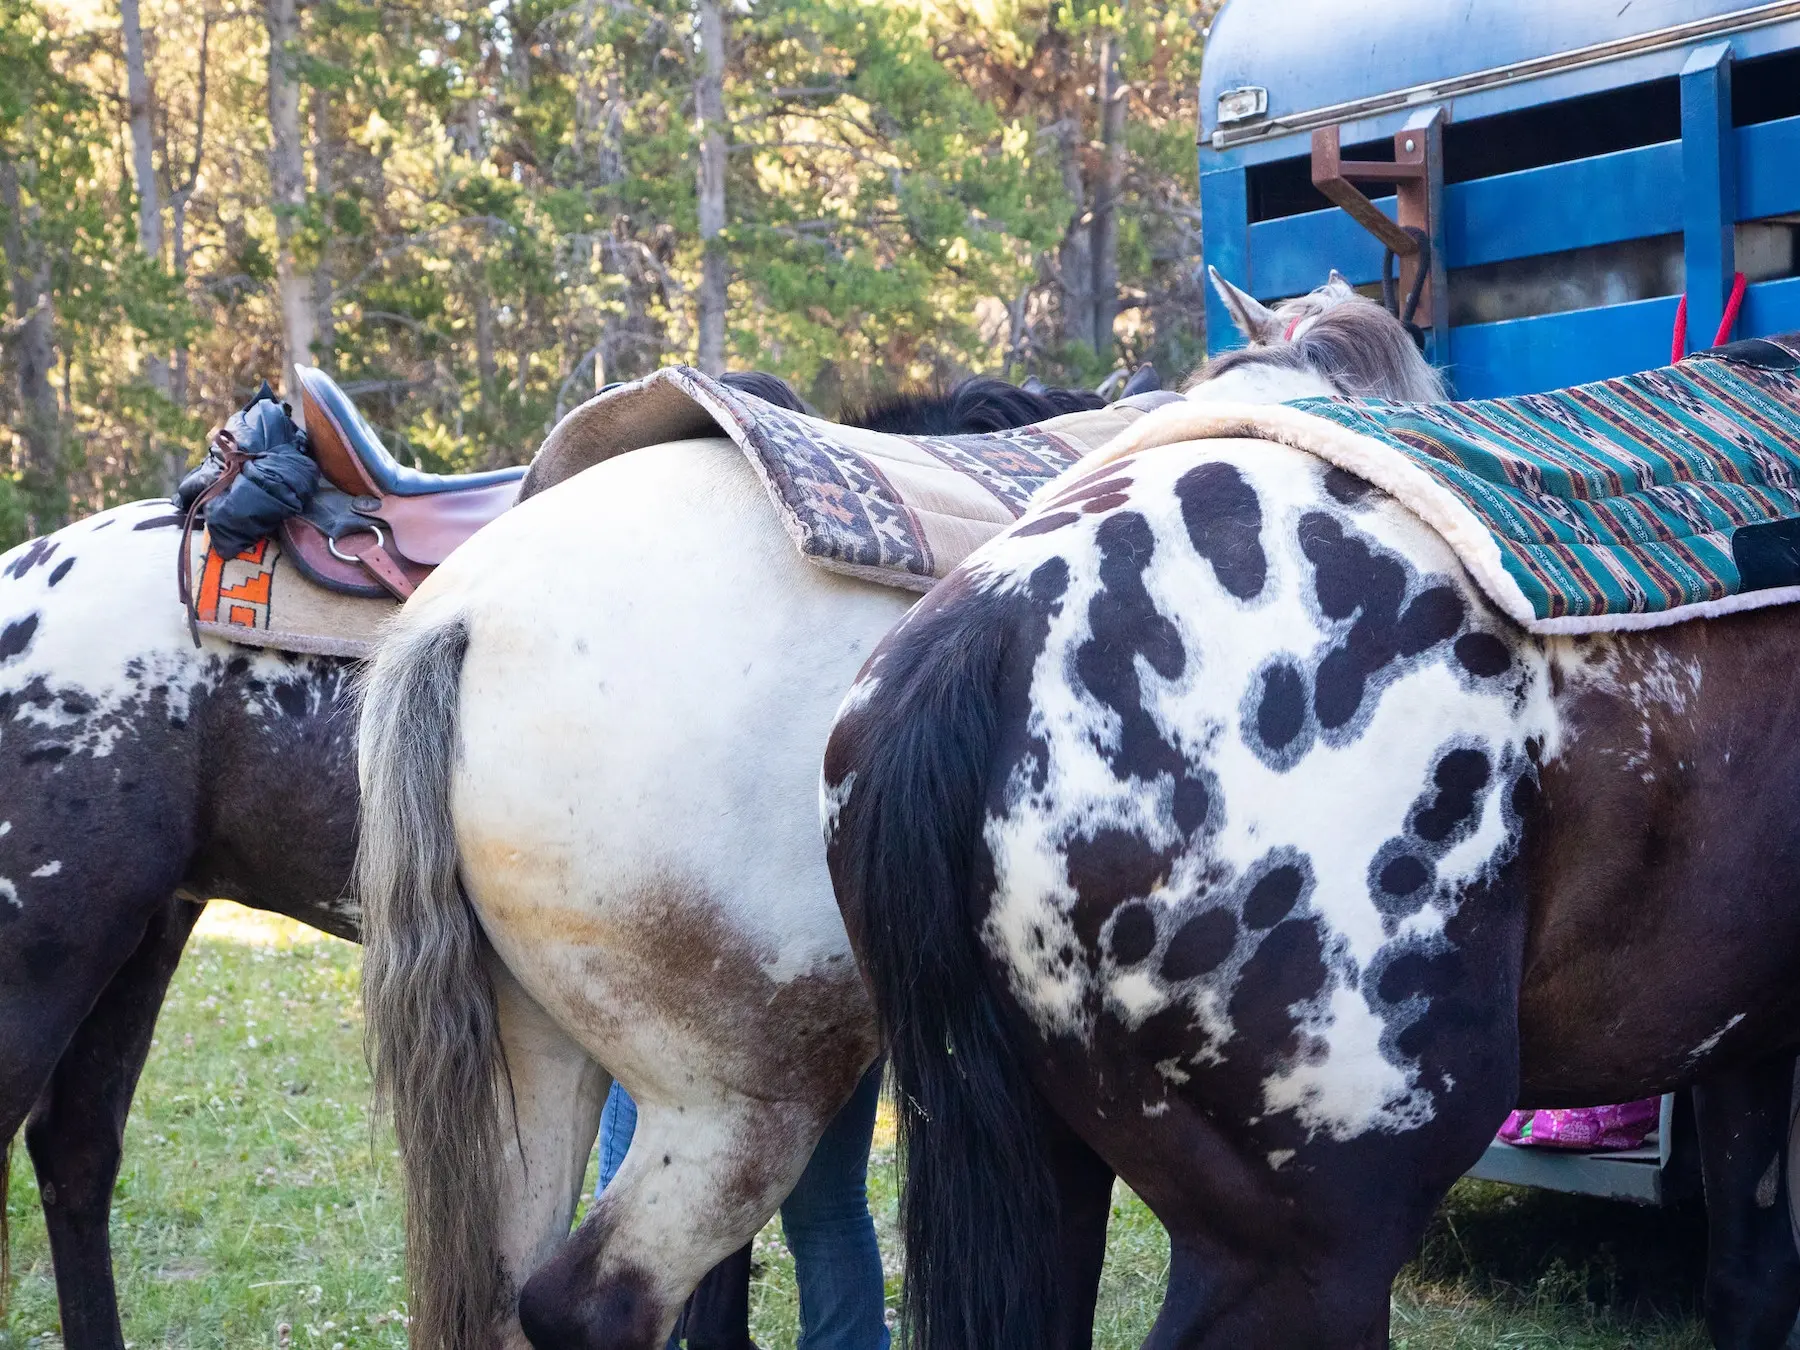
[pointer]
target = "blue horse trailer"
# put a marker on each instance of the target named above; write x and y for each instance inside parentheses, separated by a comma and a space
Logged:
(1574, 168)
(1577, 166)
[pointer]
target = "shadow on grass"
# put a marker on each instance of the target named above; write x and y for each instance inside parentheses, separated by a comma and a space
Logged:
(1503, 1265)
(1493, 1240)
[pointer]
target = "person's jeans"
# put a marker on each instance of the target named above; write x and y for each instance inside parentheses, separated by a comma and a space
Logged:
(825, 1220)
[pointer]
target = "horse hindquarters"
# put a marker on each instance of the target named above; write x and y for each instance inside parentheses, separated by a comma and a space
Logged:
(1241, 856)
(636, 809)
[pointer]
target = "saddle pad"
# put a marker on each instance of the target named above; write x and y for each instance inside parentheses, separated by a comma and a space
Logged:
(898, 510)
(1627, 503)
(260, 599)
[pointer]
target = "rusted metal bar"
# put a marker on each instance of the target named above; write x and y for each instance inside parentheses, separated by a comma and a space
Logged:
(1337, 179)
(1417, 175)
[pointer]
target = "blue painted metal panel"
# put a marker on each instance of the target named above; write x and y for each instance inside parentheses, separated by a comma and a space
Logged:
(1293, 254)
(1755, 42)
(1225, 206)
(1313, 53)
(1708, 187)
(1629, 195)
(1767, 181)
(1771, 307)
(1699, 186)
(1523, 356)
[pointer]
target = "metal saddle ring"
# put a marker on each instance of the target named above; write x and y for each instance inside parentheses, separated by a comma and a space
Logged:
(331, 542)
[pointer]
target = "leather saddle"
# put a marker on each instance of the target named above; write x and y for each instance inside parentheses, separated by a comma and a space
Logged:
(375, 526)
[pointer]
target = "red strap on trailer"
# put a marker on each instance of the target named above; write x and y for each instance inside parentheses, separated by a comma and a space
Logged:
(1732, 306)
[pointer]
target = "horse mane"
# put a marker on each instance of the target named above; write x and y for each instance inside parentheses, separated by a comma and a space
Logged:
(976, 405)
(769, 388)
(1356, 346)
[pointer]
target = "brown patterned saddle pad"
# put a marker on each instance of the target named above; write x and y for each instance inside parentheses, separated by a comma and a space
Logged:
(898, 510)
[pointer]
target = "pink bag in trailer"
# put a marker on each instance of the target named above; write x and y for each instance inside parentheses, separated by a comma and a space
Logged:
(1584, 1129)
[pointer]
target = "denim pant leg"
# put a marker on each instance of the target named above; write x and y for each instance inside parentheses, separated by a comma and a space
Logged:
(828, 1228)
(618, 1122)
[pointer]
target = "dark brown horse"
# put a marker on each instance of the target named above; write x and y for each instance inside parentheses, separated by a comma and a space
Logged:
(1211, 828)
(139, 775)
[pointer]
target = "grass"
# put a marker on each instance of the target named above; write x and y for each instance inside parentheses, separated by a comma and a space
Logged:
(258, 1209)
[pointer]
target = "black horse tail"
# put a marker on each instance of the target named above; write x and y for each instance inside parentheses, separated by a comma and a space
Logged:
(979, 1205)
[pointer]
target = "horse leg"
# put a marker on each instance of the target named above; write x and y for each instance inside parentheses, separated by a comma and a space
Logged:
(698, 1182)
(556, 1092)
(1752, 1268)
(717, 1316)
(76, 1131)
(1084, 1185)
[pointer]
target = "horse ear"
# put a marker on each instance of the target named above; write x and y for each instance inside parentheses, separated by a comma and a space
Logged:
(1255, 320)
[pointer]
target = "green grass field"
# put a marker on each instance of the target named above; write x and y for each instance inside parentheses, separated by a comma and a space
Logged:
(258, 1209)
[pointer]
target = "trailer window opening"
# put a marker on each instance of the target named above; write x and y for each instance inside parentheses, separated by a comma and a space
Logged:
(1766, 90)
(1550, 133)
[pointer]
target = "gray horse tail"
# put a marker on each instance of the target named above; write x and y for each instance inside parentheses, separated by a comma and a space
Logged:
(432, 1028)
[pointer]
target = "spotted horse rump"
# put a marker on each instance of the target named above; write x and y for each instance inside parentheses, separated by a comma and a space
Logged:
(1216, 816)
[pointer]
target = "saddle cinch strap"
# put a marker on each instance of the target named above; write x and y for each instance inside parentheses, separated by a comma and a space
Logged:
(380, 527)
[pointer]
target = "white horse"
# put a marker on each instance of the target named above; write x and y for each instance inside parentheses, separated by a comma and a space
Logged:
(590, 756)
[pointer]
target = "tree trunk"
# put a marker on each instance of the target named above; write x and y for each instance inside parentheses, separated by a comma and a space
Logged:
(324, 184)
(1075, 258)
(715, 274)
(611, 166)
(143, 169)
(486, 368)
(1106, 196)
(34, 358)
(287, 187)
(178, 205)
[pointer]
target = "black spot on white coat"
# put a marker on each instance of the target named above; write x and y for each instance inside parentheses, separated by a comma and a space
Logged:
(16, 636)
(1224, 522)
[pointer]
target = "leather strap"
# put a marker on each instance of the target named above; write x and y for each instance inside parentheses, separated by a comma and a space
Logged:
(384, 569)
(234, 461)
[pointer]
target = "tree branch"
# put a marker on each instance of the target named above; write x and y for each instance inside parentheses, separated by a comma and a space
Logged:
(12, 329)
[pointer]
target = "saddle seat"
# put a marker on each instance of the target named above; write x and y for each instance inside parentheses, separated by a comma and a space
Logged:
(377, 526)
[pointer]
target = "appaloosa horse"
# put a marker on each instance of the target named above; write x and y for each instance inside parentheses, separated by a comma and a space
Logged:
(140, 775)
(622, 868)
(1210, 827)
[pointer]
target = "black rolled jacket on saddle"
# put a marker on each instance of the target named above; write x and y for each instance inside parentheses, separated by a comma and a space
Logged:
(277, 479)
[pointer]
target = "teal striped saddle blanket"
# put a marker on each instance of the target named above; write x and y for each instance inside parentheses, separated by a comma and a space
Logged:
(1630, 502)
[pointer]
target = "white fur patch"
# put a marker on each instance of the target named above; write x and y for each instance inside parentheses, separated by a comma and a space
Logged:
(1335, 807)
(1711, 1043)
(833, 797)
(109, 635)
(1253, 383)
(10, 893)
(49, 869)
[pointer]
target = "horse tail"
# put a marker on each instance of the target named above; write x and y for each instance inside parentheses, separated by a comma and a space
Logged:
(979, 1206)
(432, 1029)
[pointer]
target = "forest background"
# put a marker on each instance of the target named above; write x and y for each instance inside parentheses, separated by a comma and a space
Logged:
(473, 216)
